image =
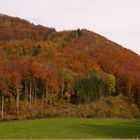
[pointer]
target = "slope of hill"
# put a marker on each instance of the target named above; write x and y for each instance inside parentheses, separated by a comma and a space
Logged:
(40, 66)
(19, 29)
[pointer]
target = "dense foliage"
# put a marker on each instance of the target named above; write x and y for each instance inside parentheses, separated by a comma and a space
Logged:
(41, 67)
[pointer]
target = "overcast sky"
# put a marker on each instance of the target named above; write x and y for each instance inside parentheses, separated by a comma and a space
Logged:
(118, 20)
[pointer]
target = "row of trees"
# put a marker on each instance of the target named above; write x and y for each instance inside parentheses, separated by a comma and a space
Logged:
(30, 81)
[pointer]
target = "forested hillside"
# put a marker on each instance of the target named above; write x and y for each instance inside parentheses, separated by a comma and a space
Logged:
(79, 73)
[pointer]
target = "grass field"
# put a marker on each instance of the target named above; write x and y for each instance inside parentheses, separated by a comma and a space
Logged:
(70, 128)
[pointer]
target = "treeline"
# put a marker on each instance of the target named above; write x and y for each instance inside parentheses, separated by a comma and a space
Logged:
(30, 81)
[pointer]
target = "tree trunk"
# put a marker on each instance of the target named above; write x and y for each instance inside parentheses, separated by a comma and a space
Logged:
(11, 101)
(26, 94)
(52, 95)
(46, 93)
(62, 90)
(43, 95)
(35, 94)
(17, 101)
(30, 95)
(2, 106)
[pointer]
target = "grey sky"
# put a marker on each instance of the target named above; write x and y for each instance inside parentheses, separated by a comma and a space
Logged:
(118, 20)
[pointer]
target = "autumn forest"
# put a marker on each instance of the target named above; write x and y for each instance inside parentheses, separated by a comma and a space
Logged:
(75, 73)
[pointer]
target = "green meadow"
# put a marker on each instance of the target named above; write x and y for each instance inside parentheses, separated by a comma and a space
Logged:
(69, 128)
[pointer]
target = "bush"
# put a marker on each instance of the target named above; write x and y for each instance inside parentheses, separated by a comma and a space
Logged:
(106, 107)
